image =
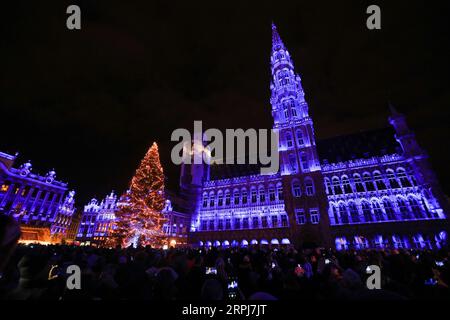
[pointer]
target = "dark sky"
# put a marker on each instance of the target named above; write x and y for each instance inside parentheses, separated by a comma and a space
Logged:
(89, 103)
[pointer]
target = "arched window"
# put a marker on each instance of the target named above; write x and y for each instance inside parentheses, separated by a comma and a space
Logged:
(346, 185)
(309, 187)
(367, 213)
(220, 198)
(244, 196)
(280, 191)
(292, 162)
(392, 179)
(401, 174)
(286, 111)
(415, 208)
(289, 140)
(227, 197)
(343, 213)
(300, 139)
(253, 195)
(205, 200)
(403, 208)
(296, 189)
(354, 214)
(358, 183)
(377, 211)
(236, 197)
(304, 161)
(368, 182)
(212, 199)
(271, 193)
(336, 186)
(262, 194)
(334, 216)
(379, 180)
(328, 186)
(294, 111)
(390, 213)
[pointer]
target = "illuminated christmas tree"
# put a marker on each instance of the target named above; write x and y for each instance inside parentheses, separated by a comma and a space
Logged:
(139, 219)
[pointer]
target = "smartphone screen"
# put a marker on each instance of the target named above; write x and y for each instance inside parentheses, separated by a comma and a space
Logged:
(211, 270)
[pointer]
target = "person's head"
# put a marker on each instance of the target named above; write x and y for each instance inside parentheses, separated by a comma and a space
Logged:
(212, 290)
(9, 236)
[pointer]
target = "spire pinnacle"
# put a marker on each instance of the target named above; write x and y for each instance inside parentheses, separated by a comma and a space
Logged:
(276, 39)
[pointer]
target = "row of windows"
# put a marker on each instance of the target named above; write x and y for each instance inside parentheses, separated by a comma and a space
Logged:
(418, 241)
(30, 192)
(373, 211)
(273, 221)
(300, 137)
(304, 162)
(242, 197)
(314, 217)
(369, 182)
(308, 187)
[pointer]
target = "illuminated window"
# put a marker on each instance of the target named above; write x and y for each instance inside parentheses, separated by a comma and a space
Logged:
(4, 188)
(403, 208)
(379, 181)
(358, 183)
(390, 213)
(391, 178)
(354, 214)
(343, 213)
(304, 161)
(296, 190)
(227, 224)
(262, 194)
(346, 185)
(253, 195)
(265, 224)
(237, 223)
(255, 222)
(236, 197)
(227, 198)
(367, 212)
(274, 221)
(280, 192)
(336, 186)
(289, 140)
(220, 199)
(314, 216)
(300, 139)
(368, 182)
(300, 214)
(415, 208)
(284, 220)
(401, 174)
(245, 223)
(377, 211)
(271, 194)
(309, 187)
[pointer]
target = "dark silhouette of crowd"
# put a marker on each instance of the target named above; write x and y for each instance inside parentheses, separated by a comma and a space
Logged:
(36, 272)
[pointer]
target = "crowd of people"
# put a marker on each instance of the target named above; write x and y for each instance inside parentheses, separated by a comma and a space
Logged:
(33, 272)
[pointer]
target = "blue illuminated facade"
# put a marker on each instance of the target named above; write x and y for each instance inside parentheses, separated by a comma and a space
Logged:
(35, 200)
(372, 189)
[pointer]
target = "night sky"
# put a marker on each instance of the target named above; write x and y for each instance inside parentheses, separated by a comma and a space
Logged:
(89, 103)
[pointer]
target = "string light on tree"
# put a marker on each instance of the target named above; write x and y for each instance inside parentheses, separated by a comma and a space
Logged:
(139, 219)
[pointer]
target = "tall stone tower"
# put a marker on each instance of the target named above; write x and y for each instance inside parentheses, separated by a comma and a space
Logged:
(299, 163)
